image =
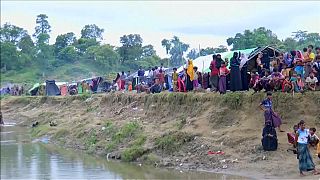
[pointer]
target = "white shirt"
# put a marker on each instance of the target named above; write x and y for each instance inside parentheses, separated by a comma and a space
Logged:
(312, 81)
(303, 136)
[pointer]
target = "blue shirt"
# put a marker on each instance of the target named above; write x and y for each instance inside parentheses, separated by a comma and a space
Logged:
(267, 103)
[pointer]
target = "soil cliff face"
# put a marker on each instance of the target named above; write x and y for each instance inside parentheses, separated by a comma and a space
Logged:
(171, 129)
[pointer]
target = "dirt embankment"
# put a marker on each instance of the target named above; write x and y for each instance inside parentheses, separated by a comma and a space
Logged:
(171, 129)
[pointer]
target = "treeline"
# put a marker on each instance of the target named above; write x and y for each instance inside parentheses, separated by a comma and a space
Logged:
(20, 51)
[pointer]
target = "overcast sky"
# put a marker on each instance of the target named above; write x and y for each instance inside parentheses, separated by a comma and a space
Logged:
(205, 23)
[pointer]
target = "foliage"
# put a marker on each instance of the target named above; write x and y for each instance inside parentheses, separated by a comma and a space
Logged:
(233, 100)
(173, 141)
(251, 39)
(176, 49)
(92, 31)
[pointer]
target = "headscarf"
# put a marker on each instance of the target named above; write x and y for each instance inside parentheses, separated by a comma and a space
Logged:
(190, 70)
(244, 59)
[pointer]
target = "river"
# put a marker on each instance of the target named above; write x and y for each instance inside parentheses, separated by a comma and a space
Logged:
(23, 159)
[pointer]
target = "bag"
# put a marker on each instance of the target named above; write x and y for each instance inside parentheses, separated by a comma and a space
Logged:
(269, 138)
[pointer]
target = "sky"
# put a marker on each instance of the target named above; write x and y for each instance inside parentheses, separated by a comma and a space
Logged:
(197, 23)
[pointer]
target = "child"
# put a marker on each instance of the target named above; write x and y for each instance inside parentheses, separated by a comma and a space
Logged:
(175, 80)
(254, 82)
(223, 72)
(292, 136)
(313, 138)
(286, 85)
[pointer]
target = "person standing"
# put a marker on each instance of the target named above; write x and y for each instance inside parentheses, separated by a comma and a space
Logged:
(189, 76)
(122, 80)
(244, 72)
(235, 75)
(214, 76)
(270, 116)
(175, 80)
(141, 75)
(304, 156)
(223, 72)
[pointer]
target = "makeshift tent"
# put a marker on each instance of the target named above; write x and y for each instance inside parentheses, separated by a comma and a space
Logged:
(268, 53)
(33, 91)
(51, 88)
(203, 62)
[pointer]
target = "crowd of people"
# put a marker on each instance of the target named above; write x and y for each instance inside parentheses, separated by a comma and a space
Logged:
(15, 90)
(301, 138)
(289, 72)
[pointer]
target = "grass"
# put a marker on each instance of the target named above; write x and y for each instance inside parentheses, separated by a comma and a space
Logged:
(61, 133)
(182, 122)
(40, 130)
(233, 100)
(91, 140)
(172, 141)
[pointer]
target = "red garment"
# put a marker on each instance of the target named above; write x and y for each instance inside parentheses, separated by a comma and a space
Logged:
(213, 68)
(224, 71)
(160, 76)
(181, 86)
(284, 84)
(122, 83)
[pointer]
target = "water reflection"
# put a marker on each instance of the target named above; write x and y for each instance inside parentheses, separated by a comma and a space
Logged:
(21, 159)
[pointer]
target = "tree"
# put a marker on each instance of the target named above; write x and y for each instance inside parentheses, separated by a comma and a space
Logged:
(193, 54)
(11, 33)
(177, 48)
(83, 44)
(92, 31)
(250, 39)
(131, 49)
(42, 27)
(207, 51)
(220, 49)
(166, 44)
(9, 56)
(148, 50)
(105, 56)
(64, 40)
(26, 45)
(68, 54)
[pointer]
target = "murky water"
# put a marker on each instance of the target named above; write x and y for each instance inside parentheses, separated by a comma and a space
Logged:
(21, 159)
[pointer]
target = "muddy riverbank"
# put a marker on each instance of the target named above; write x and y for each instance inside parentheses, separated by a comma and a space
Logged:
(171, 130)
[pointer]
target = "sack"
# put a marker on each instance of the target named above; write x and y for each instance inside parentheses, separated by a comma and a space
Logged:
(269, 138)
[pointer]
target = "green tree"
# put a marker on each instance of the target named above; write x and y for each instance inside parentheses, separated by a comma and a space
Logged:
(12, 33)
(9, 56)
(220, 49)
(193, 54)
(68, 54)
(131, 49)
(166, 44)
(92, 31)
(207, 51)
(104, 56)
(177, 49)
(64, 40)
(42, 29)
(250, 39)
(148, 50)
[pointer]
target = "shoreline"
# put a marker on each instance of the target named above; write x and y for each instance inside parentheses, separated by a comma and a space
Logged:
(167, 130)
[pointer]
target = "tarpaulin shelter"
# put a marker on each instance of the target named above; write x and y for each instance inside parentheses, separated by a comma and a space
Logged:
(203, 62)
(51, 88)
(268, 52)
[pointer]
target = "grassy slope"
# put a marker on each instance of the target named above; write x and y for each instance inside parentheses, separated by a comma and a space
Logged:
(67, 72)
(171, 129)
